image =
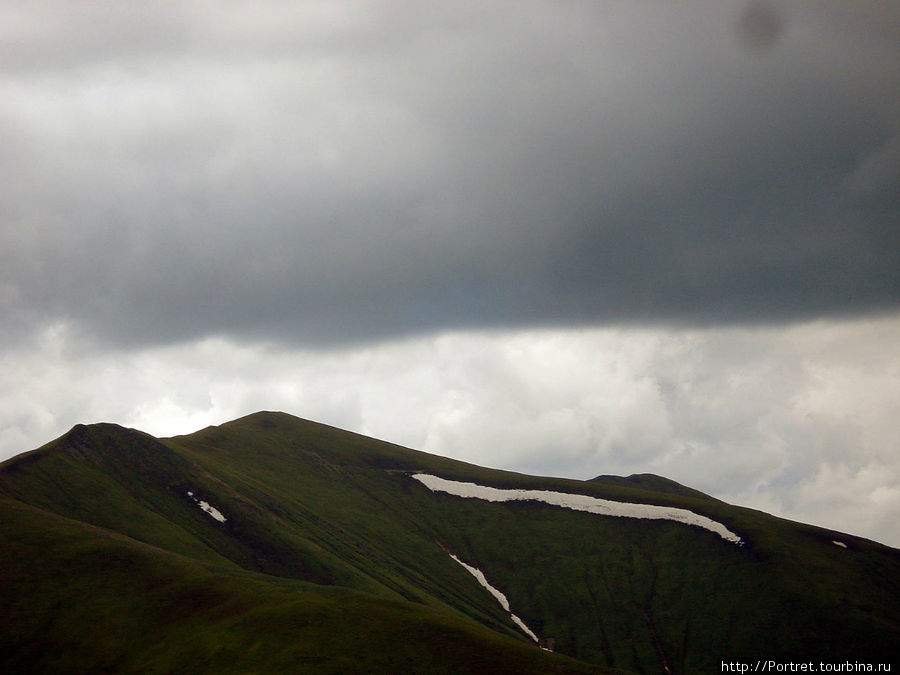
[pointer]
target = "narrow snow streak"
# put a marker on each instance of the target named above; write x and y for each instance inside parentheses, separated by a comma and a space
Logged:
(207, 508)
(839, 543)
(213, 511)
(602, 507)
(501, 598)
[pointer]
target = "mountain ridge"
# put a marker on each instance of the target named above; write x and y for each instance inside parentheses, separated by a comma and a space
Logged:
(305, 503)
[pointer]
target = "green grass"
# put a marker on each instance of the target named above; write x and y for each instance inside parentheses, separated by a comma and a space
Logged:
(94, 601)
(328, 533)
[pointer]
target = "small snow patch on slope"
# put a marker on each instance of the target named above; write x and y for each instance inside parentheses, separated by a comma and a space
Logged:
(207, 508)
(839, 543)
(501, 598)
(602, 507)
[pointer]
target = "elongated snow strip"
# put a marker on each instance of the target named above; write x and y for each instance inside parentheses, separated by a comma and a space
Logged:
(501, 598)
(602, 507)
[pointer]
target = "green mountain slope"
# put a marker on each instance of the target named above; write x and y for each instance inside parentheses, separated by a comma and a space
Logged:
(273, 544)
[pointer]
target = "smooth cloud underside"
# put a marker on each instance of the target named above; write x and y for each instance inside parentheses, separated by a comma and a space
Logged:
(324, 174)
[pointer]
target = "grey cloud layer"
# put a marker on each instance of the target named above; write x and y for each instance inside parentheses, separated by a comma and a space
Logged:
(329, 173)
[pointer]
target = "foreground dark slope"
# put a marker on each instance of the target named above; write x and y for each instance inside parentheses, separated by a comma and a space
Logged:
(322, 523)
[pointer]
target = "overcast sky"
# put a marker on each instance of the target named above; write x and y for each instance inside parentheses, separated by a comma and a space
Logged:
(571, 237)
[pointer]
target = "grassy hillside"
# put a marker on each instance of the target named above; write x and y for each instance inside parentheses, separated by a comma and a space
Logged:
(326, 531)
(79, 599)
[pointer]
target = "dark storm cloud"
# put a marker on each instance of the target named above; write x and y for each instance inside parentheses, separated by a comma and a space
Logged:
(328, 173)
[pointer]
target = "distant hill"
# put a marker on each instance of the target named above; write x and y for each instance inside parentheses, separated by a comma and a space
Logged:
(650, 481)
(275, 544)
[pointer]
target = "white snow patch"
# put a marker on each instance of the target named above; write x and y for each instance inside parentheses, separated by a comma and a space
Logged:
(212, 510)
(602, 507)
(839, 543)
(501, 598)
(207, 508)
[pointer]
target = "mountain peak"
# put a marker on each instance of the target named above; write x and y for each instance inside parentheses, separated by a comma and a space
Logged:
(268, 416)
(652, 482)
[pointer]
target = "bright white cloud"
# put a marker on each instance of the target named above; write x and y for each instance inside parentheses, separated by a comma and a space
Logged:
(799, 421)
